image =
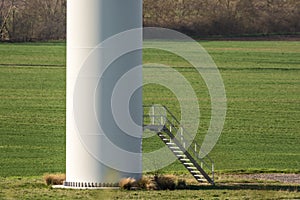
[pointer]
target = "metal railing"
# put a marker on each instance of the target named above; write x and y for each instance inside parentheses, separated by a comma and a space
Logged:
(162, 117)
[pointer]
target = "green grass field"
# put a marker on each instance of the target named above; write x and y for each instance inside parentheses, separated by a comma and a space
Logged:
(34, 188)
(261, 133)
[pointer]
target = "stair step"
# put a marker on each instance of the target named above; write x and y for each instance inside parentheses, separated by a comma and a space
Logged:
(178, 152)
(198, 175)
(201, 180)
(174, 147)
(184, 159)
(195, 172)
(165, 139)
(188, 163)
(191, 167)
(181, 156)
(170, 143)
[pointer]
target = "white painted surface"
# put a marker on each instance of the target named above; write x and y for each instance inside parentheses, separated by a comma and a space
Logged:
(97, 149)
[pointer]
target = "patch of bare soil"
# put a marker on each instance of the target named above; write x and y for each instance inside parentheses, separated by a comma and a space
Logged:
(283, 178)
(258, 38)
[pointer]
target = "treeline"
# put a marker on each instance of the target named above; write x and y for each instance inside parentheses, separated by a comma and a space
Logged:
(27, 20)
(224, 17)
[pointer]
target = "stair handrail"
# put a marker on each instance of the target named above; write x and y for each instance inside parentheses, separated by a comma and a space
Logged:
(186, 136)
(191, 149)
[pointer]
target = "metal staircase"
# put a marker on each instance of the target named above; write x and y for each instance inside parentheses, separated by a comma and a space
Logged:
(180, 142)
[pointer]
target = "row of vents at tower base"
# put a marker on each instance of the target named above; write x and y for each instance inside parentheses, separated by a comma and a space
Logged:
(90, 185)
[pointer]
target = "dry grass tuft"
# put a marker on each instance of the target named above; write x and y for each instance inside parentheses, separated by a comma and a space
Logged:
(166, 182)
(158, 182)
(144, 184)
(181, 184)
(54, 179)
(127, 183)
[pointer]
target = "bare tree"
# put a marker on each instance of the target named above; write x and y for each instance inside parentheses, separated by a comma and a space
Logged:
(6, 8)
(26, 20)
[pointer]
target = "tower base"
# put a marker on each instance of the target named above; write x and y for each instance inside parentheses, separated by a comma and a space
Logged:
(87, 186)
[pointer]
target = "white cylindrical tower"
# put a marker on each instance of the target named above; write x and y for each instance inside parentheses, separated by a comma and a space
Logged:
(104, 93)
